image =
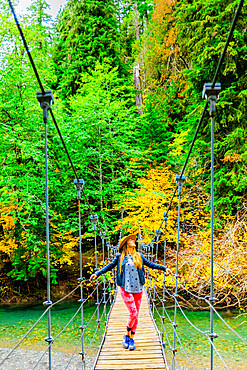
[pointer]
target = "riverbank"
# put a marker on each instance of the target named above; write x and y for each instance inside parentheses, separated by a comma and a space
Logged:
(26, 359)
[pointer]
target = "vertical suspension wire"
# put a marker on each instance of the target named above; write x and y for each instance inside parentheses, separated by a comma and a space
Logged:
(94, 220)
(179, 180)
(103, 235)
(148, 277)
(164, 282)
(48, 302)
(212, 100)
(151, 272)
(113, 271)
(96, 265)
(211, 92)
(108, 245)
(81, 278)
(81, 290)
(79, 183)
(157, 234)
(212, 245)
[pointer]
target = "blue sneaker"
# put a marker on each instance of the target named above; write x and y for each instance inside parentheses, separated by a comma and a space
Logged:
(125, 342)
(132, 344)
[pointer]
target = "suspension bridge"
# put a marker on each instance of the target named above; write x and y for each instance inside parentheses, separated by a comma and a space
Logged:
(152, 343)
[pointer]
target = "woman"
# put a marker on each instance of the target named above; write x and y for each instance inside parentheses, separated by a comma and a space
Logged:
(130, 278)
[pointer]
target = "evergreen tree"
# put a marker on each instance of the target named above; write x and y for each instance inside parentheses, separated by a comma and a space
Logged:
(87, 33)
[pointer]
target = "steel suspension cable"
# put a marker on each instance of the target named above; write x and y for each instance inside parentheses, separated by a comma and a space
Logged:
(164, 282)
(185, 352)
(73, 354)
(65, 327)
(215, 311)
(104, 281)
(35, 324)
(84, 301)
(199, 330)
(169, 343)
(157, 234)
(97, 327)
(180, 182)
(104, 335)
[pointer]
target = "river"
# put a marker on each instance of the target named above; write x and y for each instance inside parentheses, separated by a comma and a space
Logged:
(17, 319)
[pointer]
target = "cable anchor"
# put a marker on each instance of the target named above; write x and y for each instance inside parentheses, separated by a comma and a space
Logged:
(81, 278)
(45, 101)
(180, 181)
(49, 339)
(165, 217)
(157, 233)
(102, 235)
(211, 299)
(213, 335)
(79, 183)
(94, 220)
(211, 93)
(47, 303)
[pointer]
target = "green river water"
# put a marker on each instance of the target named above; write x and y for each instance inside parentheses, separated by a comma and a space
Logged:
(17, 319)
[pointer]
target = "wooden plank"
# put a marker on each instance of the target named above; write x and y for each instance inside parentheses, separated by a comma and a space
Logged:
(131, 354)
(137, 350)
(138, 343)
(129, 366)
(140, 362)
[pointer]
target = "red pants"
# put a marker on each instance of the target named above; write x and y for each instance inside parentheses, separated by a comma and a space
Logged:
(133, 302)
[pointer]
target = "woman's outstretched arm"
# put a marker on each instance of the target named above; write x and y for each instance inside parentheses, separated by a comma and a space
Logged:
(106, 268)
(153, 265)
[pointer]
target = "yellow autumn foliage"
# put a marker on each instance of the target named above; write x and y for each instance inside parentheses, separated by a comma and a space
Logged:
(148, 203)
(12, 239)
(146, 206)
(7, 221)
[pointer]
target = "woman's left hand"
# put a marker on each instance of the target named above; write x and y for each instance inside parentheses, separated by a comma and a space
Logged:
(93, 277)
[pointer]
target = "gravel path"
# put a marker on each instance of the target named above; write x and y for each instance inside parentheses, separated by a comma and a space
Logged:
(26, 360)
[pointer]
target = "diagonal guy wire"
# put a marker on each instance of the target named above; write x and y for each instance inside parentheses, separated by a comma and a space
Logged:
(199, 330)
(63, 328)
(33, 326)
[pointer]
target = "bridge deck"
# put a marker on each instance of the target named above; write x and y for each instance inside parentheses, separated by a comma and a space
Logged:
(148, 353)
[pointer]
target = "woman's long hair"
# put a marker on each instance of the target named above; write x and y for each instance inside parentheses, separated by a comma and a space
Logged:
(137, 258)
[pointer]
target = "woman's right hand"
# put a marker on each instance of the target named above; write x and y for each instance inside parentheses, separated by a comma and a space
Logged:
(93, 277)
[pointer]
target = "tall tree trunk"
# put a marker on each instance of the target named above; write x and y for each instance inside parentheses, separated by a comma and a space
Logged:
(136, 69)
(136, 21)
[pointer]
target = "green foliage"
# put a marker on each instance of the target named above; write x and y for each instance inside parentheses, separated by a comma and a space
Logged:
(86, 33)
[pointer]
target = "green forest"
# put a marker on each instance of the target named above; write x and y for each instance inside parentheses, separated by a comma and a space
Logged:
(127, 78)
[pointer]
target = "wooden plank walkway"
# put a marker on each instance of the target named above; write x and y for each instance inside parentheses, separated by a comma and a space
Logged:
(148, 352)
